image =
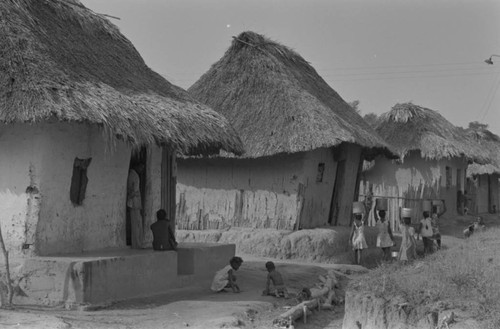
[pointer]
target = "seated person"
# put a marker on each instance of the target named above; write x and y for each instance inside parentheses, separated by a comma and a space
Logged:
(274, 277)
(163, 235)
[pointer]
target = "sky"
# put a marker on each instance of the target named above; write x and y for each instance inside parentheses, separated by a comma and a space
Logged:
(380, 52)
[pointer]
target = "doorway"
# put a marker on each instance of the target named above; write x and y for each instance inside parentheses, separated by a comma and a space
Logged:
(139, 157)
(337, 189)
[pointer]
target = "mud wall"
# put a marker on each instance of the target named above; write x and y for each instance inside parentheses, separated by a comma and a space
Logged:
(270, 192)
(36, 169)
(407, 184)
(484, 193)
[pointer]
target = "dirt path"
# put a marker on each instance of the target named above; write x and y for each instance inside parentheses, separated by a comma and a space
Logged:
(195, 307)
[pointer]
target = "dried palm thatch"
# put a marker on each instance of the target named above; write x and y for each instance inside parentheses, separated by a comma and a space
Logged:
(277, 101)
(408, 127)
(62, 62)
(489, 142)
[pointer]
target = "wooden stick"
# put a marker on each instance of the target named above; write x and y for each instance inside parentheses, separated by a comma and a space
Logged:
(299, 310)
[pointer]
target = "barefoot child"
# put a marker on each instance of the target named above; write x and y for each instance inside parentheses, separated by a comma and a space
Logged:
(274, 277)
(357, 237)
(408, 250)
(385, 240)
(225, 277)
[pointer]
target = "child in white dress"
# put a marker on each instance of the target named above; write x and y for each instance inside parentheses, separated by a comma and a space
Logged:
(225, 277)
(357, 238)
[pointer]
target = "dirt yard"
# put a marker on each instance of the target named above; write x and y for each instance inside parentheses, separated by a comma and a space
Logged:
(196, 308)
(200, 308)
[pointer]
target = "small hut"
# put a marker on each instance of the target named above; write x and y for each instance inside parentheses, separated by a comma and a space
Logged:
(303, 145)
(433, 158)
(77, 106)
(483, 179)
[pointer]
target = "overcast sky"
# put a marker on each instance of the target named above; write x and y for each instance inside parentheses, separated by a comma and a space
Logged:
(381, 53)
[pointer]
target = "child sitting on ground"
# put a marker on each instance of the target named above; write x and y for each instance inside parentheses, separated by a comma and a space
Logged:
(274, 277)
(225, 277)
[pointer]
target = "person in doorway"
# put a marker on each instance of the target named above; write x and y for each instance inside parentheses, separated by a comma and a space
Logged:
(385, 239)
(163, 235)
(425, 230)
(408, 250)
(466, 203)
(357, 238)
(134, 205)
(225, 277)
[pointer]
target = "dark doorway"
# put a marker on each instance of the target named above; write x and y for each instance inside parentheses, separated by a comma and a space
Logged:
(138, 157)
(337, 190)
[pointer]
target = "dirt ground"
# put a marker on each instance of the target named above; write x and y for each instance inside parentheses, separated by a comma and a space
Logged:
(200, 308)
(196, 307)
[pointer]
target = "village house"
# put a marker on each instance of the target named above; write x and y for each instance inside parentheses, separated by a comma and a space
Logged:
(303, 145)
(483, 179)
(78, 106)
(432, 164)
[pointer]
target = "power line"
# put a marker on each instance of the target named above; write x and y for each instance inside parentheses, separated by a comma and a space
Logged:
(479, 70)
(493, 94)
(396, 66)
(408, 77)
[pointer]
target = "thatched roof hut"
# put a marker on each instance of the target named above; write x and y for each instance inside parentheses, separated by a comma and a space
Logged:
(490, 143)
(277, 101)
(62, 62)
(409, 127)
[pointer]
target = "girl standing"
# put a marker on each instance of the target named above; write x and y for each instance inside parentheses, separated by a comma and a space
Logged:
(385, 240)
(408, 249)
(357, 238)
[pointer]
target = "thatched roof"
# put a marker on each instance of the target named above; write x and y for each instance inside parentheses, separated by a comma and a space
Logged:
(489, 142)
(408, 127)
(277, 101)
(61, 61)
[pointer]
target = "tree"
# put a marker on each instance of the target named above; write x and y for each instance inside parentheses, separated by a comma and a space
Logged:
(355, 106)
(372, 119)
(476, 125)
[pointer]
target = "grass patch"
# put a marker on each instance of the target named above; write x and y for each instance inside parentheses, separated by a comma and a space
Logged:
(465, 277)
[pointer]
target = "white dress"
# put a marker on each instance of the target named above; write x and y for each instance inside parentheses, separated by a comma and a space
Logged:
(383, 238)
(358, 238)
(221, 279)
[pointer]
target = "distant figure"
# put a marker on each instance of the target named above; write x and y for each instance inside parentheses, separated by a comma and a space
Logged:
(477, 226)
(163, 235)
(385, 239)
(436, 235)
(134, 205)
(408, 250)
(425, 230)
(225, 277)
(466, 203)
(274, 277)
(357, 238)
(460, 202)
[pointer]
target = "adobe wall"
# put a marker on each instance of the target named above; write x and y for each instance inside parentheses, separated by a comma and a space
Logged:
(219, 192)
(36, 169)
(265, 192)
(413, 180)
(106, 276)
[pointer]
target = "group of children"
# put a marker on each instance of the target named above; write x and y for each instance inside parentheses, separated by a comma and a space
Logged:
(225, 279)
(428, 229)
